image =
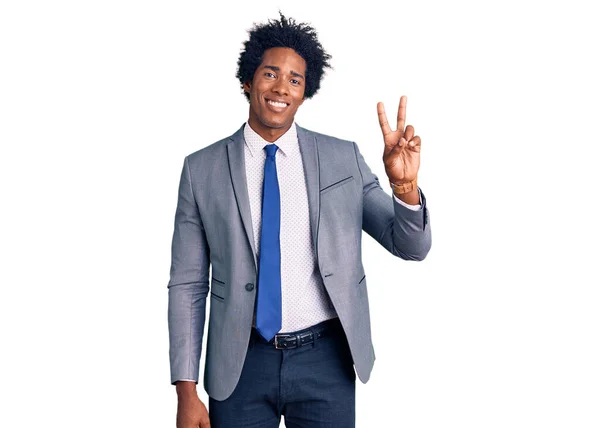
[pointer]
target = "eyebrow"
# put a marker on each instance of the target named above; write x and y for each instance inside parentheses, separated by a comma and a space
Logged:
(292, 72)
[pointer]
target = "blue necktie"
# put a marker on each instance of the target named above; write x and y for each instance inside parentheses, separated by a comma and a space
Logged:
(268, 309)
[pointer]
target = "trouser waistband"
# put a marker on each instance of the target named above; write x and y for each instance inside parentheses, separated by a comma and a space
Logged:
(303, 337)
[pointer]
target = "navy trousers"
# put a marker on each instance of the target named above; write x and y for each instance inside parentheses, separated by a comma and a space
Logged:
(312, 386)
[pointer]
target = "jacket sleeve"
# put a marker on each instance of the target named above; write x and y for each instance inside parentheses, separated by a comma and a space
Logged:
(403, 232)
(188, 284)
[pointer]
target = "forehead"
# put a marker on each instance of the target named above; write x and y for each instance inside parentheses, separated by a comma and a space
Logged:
(284, 58)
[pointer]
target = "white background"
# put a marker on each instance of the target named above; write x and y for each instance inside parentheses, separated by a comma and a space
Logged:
(101, 101)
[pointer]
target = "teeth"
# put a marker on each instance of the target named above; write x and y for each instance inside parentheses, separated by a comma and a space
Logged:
(276, 104)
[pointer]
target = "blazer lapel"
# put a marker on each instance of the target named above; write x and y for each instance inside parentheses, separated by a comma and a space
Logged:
(310, 160)
(237, 169)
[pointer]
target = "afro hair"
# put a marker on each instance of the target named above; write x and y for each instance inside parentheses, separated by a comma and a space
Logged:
(284, 32)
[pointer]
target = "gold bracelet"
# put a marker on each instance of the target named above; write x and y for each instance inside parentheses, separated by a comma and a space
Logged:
(399, 189)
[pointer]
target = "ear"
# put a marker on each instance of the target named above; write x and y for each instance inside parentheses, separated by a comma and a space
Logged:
(247, 86)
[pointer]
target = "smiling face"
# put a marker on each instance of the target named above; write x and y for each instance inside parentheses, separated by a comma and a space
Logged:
(276, 92)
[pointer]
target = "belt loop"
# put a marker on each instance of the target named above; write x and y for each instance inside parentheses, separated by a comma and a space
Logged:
(314, 333)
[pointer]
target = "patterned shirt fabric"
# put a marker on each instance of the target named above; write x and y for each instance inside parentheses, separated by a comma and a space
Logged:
(304, 300)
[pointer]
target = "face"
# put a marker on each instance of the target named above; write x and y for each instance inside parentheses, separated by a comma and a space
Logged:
(276, 92)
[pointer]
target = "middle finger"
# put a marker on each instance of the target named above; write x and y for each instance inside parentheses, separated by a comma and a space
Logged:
(409, 132)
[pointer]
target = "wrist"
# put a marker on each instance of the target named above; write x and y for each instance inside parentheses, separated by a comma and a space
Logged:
(410, 198)
(185, 388)
(403, 187)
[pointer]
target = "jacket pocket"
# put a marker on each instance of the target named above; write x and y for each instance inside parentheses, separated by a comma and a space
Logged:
(218, 281)
(217, 297)
(217, 289)
(336, 184)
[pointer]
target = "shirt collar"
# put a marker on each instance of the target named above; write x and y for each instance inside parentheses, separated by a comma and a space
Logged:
(256, 143)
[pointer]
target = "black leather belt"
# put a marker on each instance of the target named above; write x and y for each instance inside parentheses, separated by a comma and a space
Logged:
(303, 337)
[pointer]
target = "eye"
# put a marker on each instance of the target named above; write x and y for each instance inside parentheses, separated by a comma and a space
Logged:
(269, 74)
(295, 82)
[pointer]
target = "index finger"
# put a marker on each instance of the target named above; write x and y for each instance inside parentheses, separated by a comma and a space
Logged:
(402, 114)
(383, 122)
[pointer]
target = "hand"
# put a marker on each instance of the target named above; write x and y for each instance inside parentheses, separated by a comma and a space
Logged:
(401, 154)
(192, 413)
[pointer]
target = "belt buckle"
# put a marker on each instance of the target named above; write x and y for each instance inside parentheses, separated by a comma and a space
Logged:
(277, 343)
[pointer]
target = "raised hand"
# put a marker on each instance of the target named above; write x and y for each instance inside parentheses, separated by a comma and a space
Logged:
(401, 154)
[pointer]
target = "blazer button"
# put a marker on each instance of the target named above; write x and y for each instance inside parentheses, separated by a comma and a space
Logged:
(249, 286)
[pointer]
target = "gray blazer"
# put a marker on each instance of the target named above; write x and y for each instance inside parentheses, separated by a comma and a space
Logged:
(213, 227)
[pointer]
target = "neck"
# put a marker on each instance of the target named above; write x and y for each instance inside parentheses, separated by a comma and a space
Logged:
(266, 132)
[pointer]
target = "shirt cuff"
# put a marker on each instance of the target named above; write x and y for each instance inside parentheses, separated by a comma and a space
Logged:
(409, 206)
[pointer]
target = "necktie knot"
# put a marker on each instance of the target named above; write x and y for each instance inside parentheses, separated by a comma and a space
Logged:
(271, 150)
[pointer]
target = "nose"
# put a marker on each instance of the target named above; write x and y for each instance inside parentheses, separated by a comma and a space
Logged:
(280, 87)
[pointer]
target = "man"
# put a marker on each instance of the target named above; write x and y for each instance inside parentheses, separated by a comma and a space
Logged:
(278, 212)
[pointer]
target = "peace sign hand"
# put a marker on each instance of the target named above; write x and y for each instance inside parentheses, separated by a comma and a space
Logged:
(401, 155)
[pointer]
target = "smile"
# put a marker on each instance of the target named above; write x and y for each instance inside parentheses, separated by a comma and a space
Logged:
(277, 106)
